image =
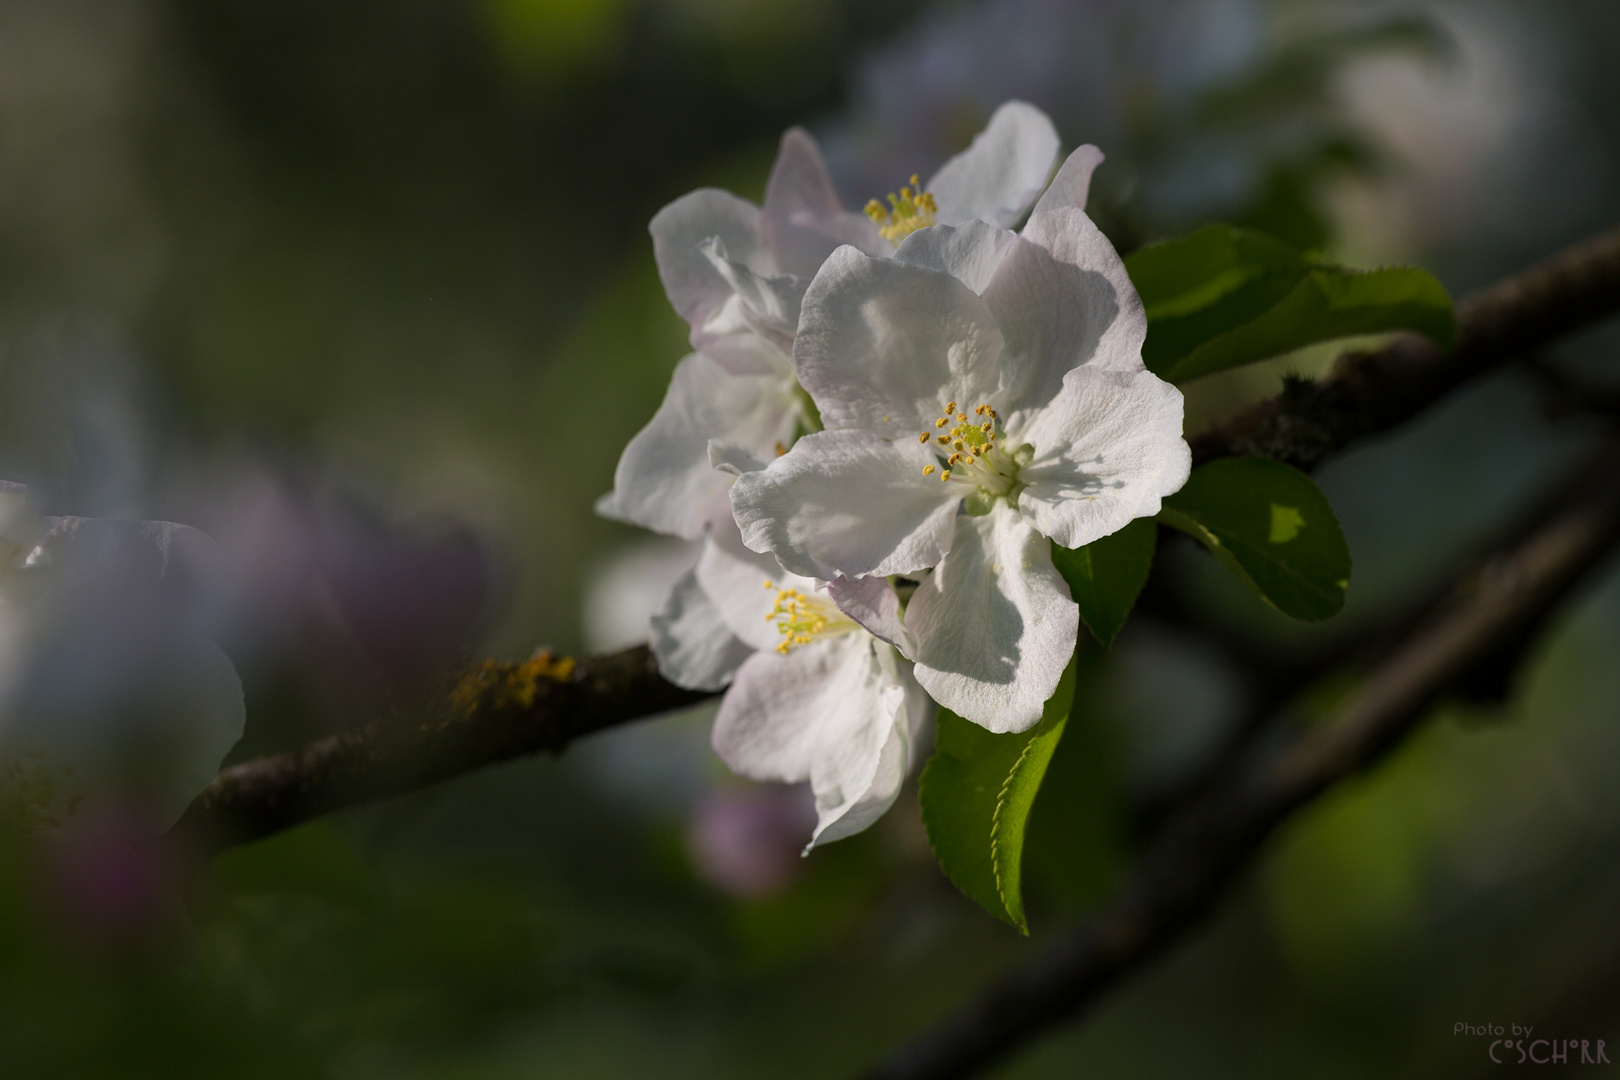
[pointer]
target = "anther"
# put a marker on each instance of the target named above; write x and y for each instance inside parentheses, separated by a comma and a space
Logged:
(944, 440)
(946, 475)
(951, 407)
(958, 445)
(928, 470)
(942, 421)
(923, 437)
(988, 426)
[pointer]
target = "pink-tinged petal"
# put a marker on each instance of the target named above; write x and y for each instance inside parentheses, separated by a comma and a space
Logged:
(1107, 450)
(664, 481)
(969, 252)
(847, 502)
(1072, 184)
(692, 643)
(803, 220)
(871, 601)
(997, 178)
(994, 623)
(885, 346)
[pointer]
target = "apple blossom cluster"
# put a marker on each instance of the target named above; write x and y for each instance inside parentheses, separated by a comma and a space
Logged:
(887, 419)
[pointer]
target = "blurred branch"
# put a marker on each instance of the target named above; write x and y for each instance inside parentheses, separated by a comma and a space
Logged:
(1370, 392)
(494, 712)
(1210, 841)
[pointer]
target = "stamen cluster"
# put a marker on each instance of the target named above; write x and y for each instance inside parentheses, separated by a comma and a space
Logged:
(907, 212)
(971, 442)
(800, 618)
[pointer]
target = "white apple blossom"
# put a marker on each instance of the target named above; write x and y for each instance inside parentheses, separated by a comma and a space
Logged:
(982, 391)
(814, 696)
(737, 273)
(108, 690)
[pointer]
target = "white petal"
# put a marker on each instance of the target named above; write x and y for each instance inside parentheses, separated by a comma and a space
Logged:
(1107, 450)
(825, 712)
(733, 459)
(969, 252)
(767, 306)
(735, 580)
(885, 346)
(690, 281)
(664, 481)
(1060, 309)
(694, 647)
(994, 623)
(624, 591)
(871, 601)
(803, 220)
(998, 177)
(1072, 184)
(847, 502)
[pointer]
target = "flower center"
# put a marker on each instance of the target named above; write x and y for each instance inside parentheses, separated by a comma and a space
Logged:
(975, 454)
(801, 618)
(907, 212)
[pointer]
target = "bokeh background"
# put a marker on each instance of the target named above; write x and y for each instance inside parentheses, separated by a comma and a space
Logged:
(365, 291)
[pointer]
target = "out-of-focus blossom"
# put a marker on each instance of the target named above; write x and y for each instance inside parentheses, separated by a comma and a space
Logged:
(396, 599)
(982, 391)
(624, 592)
(1117, 73)
(110, 695)
(746, 841)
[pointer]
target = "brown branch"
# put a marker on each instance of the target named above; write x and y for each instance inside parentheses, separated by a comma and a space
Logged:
(1371, 392)
(1186, 871)
(1368, 393)
(494, 712)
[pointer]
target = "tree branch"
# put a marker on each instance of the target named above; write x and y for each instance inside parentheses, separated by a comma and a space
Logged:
(1370, 392)
(501, 711)
(493, 712)
(1187, 869)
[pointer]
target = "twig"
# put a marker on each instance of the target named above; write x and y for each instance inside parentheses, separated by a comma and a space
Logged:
(494, 712)
(1371, 392)
(1187, 869)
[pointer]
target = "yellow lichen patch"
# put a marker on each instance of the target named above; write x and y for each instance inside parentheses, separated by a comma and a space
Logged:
(907, 212)
(492, 685)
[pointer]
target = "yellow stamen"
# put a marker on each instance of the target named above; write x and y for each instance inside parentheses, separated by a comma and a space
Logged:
(928, 470)
(923, 437)
(942, 421)
(910, 210)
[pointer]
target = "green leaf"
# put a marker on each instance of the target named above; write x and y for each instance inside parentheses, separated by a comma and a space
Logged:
(1271, 526)
(1106, 575)
(1223, 297)
(976, 795)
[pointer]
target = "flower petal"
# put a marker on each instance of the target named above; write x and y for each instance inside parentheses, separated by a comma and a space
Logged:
(694, 647)
(826, 712)
(847, 502)
(969, 252)
(664, 480)
(1072, 184)
(998, 177)
(885, 346)
(690, 281)
(1061, 307)
(735, 580)
(994, 623)
(803, 220)
(871, 601)
(1106, 451)
(767, 306)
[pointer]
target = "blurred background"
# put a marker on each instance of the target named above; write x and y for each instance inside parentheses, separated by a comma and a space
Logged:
(364, 290)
